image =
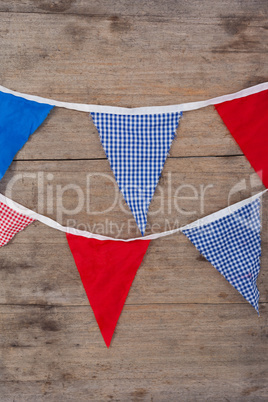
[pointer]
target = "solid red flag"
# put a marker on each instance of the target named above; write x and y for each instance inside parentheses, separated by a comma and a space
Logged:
(107, 269)
(247, 120)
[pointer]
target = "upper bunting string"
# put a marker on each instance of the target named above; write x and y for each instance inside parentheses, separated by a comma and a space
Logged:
(182, 107)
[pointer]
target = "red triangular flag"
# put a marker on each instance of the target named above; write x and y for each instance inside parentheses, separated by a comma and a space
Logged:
(247, 120)
(107, 269)
(11, 223)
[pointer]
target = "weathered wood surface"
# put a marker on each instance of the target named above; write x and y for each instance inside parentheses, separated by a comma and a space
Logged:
(204, 351)
(156, 60)
(185, 333)
(246, 10)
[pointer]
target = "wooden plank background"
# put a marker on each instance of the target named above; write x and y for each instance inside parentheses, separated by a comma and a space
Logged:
(185, 334)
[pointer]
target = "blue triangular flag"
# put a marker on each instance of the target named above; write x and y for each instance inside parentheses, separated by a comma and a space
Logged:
(137, 147)
(19, 118)
(232, 244)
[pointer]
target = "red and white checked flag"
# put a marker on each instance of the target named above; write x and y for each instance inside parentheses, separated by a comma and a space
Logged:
(11, 222)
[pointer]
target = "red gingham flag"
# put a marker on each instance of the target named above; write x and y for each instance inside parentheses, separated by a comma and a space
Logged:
(11, 222)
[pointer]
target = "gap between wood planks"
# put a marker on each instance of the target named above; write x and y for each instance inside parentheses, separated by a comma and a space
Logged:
(104, 159)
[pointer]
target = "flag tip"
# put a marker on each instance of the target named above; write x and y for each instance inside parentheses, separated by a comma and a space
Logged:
(107, 340)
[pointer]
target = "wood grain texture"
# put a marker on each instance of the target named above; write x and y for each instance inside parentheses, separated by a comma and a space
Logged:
(185, 334)
(197, 349)
(173, 8)
(156, 59)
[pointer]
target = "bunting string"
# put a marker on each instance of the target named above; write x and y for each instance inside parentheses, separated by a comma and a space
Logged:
(77, 232)
(182, 107)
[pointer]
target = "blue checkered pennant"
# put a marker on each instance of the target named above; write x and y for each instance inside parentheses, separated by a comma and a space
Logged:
(232, 244)
(137, 147)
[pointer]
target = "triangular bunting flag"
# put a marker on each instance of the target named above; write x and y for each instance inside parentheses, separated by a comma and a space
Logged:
(137, 147)
(232, 244)
(107, 269)
(11, 222)
(247, 120)
(19, 118)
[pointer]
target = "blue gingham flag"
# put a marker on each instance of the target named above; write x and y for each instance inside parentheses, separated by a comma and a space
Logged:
(136, 147)
(232, 244)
